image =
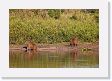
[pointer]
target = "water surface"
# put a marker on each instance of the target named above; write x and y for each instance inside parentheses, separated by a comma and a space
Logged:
(54, 59)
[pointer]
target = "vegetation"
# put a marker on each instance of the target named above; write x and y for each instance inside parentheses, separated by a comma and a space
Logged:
(53, 25)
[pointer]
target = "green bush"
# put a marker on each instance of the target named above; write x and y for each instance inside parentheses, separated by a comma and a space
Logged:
(55, 26)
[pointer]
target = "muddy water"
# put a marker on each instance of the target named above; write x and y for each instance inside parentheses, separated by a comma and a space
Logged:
(54, 59)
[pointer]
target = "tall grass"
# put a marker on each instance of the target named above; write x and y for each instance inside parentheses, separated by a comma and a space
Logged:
(43, 27)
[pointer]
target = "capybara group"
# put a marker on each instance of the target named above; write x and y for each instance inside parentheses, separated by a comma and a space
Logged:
(74, 41)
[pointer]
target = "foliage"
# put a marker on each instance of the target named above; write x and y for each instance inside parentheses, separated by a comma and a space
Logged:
(54, 13)
(53, 25)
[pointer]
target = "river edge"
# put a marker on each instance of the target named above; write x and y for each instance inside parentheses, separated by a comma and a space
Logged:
(60, 46)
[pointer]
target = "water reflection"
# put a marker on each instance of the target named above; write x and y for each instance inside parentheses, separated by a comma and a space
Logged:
(53, 59)
(29, 55)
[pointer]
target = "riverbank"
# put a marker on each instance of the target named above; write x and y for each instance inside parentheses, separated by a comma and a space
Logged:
(61, 46)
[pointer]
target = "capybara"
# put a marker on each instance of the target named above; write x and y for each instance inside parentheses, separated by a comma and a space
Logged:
(30, 45)
(74, 41)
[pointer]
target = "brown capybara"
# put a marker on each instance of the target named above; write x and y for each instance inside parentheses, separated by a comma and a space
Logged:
(74, 42)
(30, 45)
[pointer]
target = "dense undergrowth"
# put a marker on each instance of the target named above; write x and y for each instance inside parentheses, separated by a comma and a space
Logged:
(53, 25)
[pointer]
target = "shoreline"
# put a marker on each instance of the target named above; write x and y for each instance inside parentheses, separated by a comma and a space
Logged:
(55, 47)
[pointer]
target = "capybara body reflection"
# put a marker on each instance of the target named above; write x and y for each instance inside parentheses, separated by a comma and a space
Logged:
(74, 42)
(30, 45)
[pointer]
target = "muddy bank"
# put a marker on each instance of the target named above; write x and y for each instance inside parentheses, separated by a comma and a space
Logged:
(61, 47)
